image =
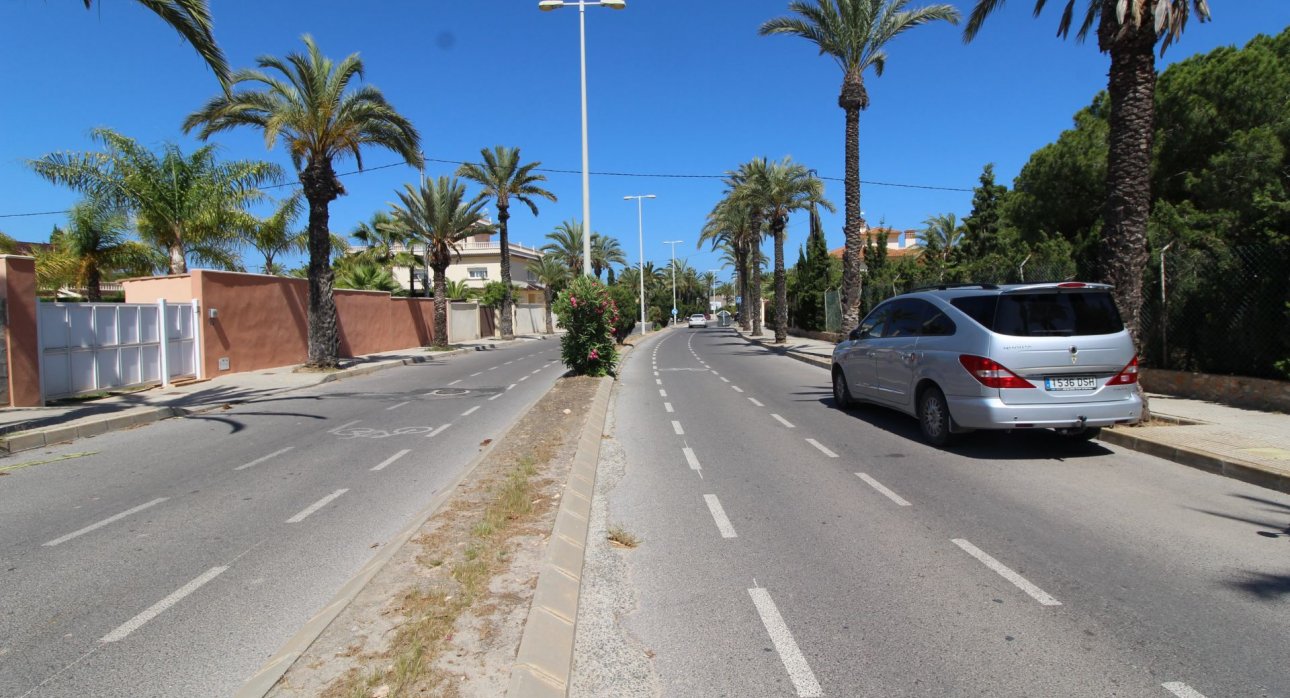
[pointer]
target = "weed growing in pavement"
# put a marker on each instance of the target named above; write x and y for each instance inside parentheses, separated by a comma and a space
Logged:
(619, 536)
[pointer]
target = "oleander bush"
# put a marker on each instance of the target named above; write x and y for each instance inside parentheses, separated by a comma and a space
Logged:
(588, 315)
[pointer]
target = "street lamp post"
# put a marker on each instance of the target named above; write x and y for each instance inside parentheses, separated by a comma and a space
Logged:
(673, 243)
(712, 280)
(640, 238)
(547, 6)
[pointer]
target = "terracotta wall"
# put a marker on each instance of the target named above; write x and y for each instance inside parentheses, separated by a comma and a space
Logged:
(18, 290)
(1256, 393)
(261, 321)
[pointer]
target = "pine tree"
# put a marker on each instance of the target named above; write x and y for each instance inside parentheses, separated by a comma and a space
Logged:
(981, 227)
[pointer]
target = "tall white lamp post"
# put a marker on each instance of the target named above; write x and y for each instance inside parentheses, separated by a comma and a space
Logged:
(673, 243)
(547, 6)
(711, 284)
(640, 238)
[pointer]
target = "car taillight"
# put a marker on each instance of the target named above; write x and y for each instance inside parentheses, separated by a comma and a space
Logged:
(1128, 376)
(991, 374)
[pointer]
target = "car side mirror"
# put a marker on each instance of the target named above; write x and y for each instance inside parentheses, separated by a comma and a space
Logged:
(855, 334)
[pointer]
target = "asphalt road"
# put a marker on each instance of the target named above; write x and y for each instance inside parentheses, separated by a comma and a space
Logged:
(790, 548)
(174, 559)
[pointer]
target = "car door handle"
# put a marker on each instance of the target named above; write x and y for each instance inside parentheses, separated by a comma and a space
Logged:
(909, 357)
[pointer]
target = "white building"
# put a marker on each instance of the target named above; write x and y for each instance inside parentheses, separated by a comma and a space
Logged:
(480, 262)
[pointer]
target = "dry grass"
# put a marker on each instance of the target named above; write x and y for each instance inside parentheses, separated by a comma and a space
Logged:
(621, 537)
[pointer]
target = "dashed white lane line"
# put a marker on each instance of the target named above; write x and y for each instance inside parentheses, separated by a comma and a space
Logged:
(476, 373)
(783, 421)
(676, 427)
(668, 406)
(724, 379)
(492, 368)
(275, 454)
(1182, 690)
(719, 515)
(316, 506)
(753, 400)
(495, 397)
(468, 412)
(395, 407)
(823, 450)
(438, 431)
(737, 389)
(508, 363)
(662, 392)
(1019, 581)
(511, 386)
(160, 607)
(689, 458)
(715, 373)
(111, 519)
(798, 670)
(883, 489)
(535, 372)
(656, 374)
(658, 381)
(454, 382)
(523, 378)
(391, 459)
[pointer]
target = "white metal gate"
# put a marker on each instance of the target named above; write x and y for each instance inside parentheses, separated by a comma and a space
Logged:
(91, 347)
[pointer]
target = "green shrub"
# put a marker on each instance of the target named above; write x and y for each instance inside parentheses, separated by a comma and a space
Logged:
(628, 310)
(588, 315)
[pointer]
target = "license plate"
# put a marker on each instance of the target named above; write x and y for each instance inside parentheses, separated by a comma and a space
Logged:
(1071, 383)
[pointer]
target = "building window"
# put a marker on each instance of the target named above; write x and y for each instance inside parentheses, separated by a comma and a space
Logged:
(478, 273)
(419, 276)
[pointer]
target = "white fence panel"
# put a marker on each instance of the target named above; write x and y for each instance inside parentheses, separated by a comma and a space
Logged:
(463, 322)
(91, 347)
(528, 318)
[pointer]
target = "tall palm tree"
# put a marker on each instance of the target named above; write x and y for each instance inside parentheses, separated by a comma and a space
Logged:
(566, 245)
(1127, 30)
(366, 276)
(504, 178)
(552, 274)
(387, 244)
(940, 238)
(784, 188)
(605, 252)
(273, 236)
(186, 205)
(93, 247)
(729, 226)
(855, 34)
(441, 217)
(744, 189)
(192, 19)
(307, 101)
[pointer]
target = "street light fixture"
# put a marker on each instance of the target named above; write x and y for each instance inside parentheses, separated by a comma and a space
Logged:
(673, 243)
(547, 6)
(640, 237)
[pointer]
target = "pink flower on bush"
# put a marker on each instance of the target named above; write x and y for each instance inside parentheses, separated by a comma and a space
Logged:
(593, 355)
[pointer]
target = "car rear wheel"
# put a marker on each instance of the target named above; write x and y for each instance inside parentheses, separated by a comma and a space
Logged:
(934, 417)
(841, 393)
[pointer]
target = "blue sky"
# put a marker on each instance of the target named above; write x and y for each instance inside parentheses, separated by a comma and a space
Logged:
(676, 88)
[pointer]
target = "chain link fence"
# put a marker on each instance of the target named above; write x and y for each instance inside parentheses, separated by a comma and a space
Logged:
(833, 310)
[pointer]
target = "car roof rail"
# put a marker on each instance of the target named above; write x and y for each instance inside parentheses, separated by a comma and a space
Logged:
(946, 287)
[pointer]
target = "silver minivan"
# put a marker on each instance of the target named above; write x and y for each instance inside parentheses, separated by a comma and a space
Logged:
(967, 357)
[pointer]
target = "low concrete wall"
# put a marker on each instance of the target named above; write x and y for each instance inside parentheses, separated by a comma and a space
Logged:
(834, 337)
(1255, 393)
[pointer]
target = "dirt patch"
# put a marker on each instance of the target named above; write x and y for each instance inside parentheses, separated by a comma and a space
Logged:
(445, 616)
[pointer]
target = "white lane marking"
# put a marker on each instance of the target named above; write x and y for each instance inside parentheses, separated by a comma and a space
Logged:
(395, 407)
(523, 378)
(662, 392)
(656, 374)
(391, 459)
(275, 454)
(476, 373)
(468, 412)
(658, 381)
(438, 431)
(798, 670)
(723, 378)
(737, 389)
(333, 430)
(492, 368)
(454, 382)
(316, 506)
(823, 450)
(715, 373)
(783, 421)
(158, 608)
(719, 515)
(104, 522)
(676, 427)
(508, 363)
(689, 458)
(1019, 581)
(753, 400)
(535, 372)
(1182, 690)
(668, 406)
(509, 387)
(883, 489)
(495, 397)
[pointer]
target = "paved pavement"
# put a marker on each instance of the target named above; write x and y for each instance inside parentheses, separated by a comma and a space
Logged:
(25, 428)
(1245, 444)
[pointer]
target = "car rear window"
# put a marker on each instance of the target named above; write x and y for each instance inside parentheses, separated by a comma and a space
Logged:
(1044, 314)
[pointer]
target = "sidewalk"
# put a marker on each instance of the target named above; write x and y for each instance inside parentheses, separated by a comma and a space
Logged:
(25, 428)
(1244, 444)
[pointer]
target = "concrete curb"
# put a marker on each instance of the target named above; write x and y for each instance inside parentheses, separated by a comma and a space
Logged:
(263, 681)
(1211, 463)
(544, 664)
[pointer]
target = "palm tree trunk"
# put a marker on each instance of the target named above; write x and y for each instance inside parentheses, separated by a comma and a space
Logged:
(1122, 250)
(440, 338)
(321, 188)
(781, 285)
(178, 260)
(503, 215)
(754, 260)
(741, 262)
(93, 283)
(852, 99)
(546, 298)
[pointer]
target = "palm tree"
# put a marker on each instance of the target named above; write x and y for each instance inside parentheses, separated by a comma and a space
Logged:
(440, 217)
(552, 274)
(94, 246)
(457, 290)
(1128, 30)
(785, 187)
(504, 178)
(309, 104)
(941, 237)
(855, 33)
(192, 19)
(566, 245)
(185, 205)
(605, 252)
(389, 245)
(729, 227)
(272, 236)
(744, 190)
(366, 276)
